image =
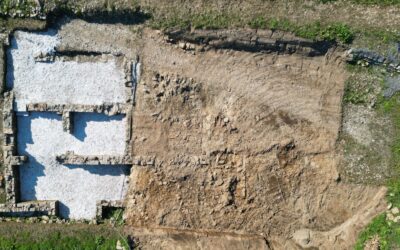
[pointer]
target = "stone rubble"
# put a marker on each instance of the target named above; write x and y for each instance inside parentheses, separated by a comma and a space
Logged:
(393, 214)
(109, 109)
(9, 148)
(101, 205)
(266, 41)
(366, 57)
(27, 209)
(71, 158)
(11, 161)
(67, 122)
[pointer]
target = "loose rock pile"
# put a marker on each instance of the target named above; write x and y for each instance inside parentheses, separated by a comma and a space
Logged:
(366, 57)
(393, 214)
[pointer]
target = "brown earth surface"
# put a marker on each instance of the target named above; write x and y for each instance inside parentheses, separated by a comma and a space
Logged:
(244, 142)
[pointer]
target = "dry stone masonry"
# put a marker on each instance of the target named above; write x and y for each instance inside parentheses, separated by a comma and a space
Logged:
(71, 158)
(12, 161)
(67, 122)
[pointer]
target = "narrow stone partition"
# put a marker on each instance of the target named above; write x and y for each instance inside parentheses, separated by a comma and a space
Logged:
(67, 121)
(71, 158)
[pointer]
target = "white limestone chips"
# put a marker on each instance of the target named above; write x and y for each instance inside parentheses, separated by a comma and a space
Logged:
(59, 82)
(41, 137)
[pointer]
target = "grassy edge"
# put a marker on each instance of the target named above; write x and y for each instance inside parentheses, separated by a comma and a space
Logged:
(337, 31)
(387, 231)
(15, 235)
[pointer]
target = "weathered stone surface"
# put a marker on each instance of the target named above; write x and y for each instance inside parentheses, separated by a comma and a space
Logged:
(67, 122)
(101, 205)
(2, 67)
(10, 159)
(8, 114)
(17, 160)
(367, 57)
(34, 208)
(71, 158)
(106, 108)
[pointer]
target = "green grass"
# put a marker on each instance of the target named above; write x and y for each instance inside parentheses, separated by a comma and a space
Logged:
(204, 20)
(379, 40)
(353, 95)
(317, 30)
(22, 236)
(364, 35)
(391, 107)
(214, 20)
(388, 231)
(358, 90)
(114, 216)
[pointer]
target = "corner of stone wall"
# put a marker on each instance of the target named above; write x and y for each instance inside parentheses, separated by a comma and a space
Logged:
(12, 161)
(104, 204)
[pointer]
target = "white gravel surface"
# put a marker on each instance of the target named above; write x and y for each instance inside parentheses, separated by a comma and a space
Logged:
(59, 82)
(41, 138)
(40, 134)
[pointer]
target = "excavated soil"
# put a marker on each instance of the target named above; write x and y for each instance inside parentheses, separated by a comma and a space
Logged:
(242, 141)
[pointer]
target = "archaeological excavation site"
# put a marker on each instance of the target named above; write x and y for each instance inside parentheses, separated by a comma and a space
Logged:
(200, 124)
